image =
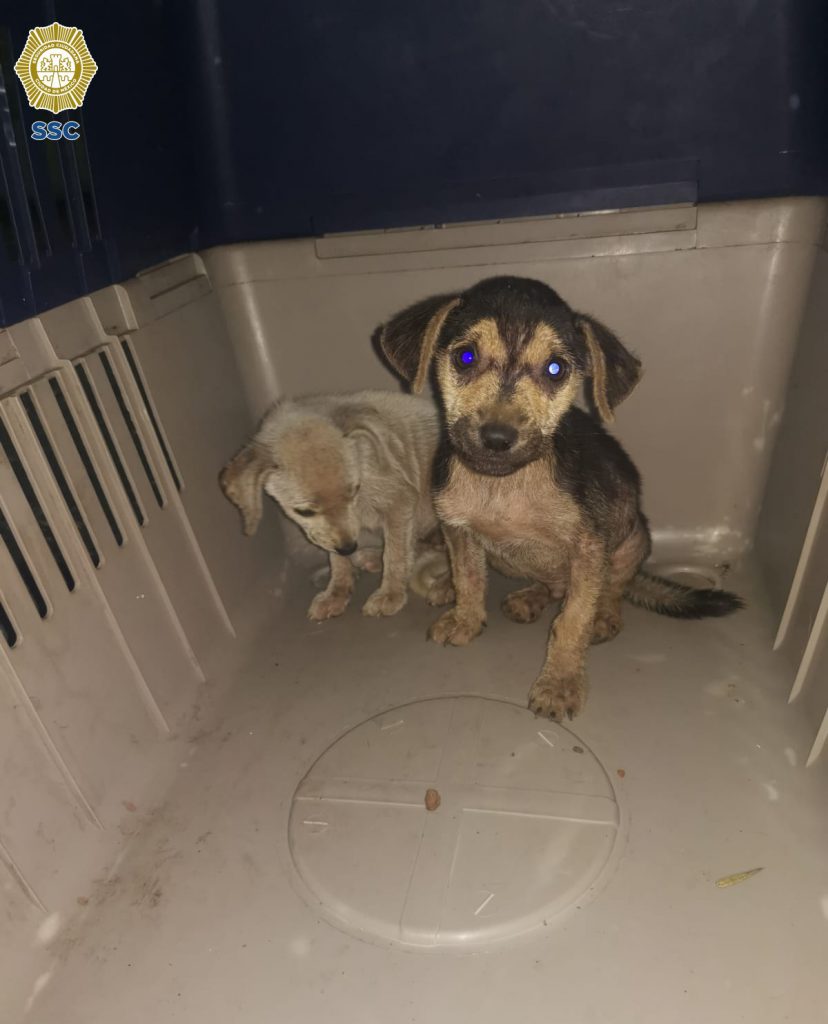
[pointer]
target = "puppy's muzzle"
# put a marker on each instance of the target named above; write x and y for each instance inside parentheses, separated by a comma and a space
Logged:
(498, 437)
(347, 549)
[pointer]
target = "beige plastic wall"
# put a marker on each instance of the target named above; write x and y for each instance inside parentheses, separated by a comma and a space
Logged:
(710, 297)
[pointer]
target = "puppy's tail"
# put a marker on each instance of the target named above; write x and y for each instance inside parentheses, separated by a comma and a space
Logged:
(657, 594)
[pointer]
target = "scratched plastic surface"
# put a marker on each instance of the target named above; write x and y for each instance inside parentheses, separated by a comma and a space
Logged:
(513, 789)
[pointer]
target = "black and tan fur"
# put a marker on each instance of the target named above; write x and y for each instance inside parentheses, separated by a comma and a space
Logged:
(527, 481)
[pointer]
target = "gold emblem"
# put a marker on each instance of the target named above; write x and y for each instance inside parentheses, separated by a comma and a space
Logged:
(55, 67)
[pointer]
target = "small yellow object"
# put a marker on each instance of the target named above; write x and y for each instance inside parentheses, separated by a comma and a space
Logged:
(741, 876)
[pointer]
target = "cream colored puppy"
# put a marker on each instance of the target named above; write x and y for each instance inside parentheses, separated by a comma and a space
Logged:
(341, 464)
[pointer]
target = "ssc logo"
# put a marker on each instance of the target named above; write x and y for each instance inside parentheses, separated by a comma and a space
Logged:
(55, 130)
(55, 68)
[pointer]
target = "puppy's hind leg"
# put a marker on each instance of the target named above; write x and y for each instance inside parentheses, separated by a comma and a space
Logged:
(431, 575)
(397, 559)
(527, 604)
(335, 597)
(441, 592)
(624, 563)
(368, 559)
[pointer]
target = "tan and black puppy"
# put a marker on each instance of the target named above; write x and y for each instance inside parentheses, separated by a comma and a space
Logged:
(530, 481)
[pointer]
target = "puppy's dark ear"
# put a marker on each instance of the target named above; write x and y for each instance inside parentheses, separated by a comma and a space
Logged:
(242, 480)
(408, 341)
(613, 371)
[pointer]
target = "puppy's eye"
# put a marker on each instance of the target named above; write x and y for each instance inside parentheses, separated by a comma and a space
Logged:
(464, 357)
(555, 369)
(306, 512)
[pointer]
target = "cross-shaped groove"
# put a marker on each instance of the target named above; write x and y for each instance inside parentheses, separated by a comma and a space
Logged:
(457, 798)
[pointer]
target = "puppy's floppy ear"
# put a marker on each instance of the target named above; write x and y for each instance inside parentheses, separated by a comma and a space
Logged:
(364, 426)
(613, 371)
(242, 480)
(408, 341)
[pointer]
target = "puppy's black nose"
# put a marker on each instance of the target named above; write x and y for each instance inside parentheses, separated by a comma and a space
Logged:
(347, 549)
(498, 437)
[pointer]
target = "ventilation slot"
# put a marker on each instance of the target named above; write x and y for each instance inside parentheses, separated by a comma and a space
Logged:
(37, 509)
(85, 181)
(83, 454)
(77, 207)
(25, 214)
(148, 405)
(111, 447)
(60, 478)
(8, 232)
(22, 566)
(130, 425)
(62, 209)
(7, 630)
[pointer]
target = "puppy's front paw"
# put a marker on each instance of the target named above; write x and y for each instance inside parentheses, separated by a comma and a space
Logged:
(385, 602)
(321, 578)
(327, 606)
(455, 628)
(440, 592)
(558, 697)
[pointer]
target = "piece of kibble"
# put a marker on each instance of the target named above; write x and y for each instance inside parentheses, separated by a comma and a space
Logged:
(432, 800)
(578, 750)
(620, 773)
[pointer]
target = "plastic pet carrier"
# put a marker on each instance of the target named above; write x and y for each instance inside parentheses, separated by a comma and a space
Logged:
(215, 810)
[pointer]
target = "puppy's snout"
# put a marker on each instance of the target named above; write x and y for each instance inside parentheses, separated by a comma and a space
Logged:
(498, 437)
(347, 549)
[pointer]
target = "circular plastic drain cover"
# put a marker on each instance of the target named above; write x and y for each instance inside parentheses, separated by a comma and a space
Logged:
(526, 824)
